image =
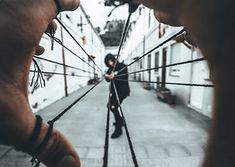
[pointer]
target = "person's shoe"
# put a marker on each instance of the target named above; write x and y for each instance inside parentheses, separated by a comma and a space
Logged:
(114, 124)
(117, 133)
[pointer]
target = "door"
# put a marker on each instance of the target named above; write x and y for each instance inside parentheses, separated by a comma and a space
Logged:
(199, 73)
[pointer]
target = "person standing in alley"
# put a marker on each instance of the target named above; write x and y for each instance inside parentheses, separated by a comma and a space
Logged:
(122, 87)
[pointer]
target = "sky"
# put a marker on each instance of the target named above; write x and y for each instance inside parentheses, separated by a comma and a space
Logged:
(99, 13)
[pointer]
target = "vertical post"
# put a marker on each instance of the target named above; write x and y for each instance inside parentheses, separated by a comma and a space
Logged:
(92, 50)
(143, 62)
(63, 59)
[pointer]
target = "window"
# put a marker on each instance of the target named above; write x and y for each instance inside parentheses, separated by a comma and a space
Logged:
(149, 62)
(156, 65)
(204, 66)
(149, 66)
(175, 58)
(69, 17)
(141, 63)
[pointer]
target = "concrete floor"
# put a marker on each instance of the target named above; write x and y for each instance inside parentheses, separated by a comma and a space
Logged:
(162, 135)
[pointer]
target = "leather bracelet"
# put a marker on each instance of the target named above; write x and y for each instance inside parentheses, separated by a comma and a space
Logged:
(36, 162)
(45, 140)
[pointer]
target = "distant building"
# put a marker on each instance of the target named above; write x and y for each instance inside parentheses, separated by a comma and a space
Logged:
(113, 32)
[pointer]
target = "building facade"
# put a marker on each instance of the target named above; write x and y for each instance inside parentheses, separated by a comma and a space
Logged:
(146, 33)
(57, 84)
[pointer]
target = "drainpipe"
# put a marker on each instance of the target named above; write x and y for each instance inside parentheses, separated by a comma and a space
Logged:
(143, 62)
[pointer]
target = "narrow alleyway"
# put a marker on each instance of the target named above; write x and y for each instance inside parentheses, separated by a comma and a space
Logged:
(162, 135)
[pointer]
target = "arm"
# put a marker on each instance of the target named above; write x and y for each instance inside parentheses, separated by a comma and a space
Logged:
(21, 28)
(205, 20)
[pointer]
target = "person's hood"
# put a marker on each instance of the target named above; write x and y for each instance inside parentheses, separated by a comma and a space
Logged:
(109, 57)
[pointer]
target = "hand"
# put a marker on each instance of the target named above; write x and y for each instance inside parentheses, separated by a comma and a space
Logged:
(22, 24)
(166, 11)
(109, 77)
(204, 20)
(211, 26)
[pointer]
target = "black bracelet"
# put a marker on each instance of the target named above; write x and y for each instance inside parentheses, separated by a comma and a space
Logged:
(37, 150)
(36, 132)
(45, 140)
(58, 6)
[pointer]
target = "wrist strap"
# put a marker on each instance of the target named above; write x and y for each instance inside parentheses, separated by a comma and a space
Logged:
(46, 138)
(34, 160)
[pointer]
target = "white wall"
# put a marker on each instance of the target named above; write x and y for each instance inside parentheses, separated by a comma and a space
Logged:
(55, 87)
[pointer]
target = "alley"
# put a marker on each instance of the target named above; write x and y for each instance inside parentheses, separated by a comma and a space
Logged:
(162, 135)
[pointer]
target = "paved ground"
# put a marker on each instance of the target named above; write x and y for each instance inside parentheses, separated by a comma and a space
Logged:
(162, 135)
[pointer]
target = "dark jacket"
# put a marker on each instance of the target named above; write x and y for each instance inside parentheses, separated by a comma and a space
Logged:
(122, 87)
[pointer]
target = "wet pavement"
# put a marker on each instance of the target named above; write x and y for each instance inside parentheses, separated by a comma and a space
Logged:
(162, 135)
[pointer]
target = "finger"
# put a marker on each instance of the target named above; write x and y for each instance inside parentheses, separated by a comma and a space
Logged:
(189, 39)
(166, 18)
(64, 5)
(52, 27)
(39, 50)
(61, 5)
(163, 5)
